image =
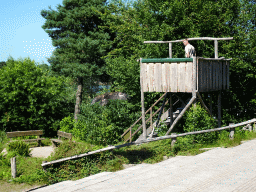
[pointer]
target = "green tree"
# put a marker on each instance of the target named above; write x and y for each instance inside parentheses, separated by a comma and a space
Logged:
(163, 20)
(31, 98)
(2, 63)
(80, 43)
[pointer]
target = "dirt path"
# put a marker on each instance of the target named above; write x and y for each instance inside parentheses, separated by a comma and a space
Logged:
(39, 151)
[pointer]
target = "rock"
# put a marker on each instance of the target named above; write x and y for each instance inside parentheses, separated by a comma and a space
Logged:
(103, 99)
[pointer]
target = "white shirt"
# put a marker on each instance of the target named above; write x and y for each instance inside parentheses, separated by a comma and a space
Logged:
(189, 49)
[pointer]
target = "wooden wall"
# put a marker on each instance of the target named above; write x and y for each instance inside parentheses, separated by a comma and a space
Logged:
(212, 75)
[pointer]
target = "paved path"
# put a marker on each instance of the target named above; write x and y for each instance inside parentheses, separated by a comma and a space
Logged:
(220, 170)
(38, 151)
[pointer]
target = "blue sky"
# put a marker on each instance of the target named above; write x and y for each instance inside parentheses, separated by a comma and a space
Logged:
(21, 34)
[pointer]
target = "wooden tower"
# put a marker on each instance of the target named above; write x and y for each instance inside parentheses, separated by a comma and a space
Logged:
(187, 75)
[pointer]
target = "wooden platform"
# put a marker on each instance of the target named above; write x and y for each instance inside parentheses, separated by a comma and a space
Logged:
(184, 74)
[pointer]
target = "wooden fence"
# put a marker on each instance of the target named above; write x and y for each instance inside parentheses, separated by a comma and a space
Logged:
(174, 136)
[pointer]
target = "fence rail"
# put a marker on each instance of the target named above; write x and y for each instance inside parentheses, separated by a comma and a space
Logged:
(173, 137)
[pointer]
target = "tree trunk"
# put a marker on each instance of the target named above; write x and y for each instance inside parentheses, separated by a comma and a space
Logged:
(78, 97)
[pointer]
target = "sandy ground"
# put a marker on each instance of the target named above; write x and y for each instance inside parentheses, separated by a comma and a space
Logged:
(39, 151)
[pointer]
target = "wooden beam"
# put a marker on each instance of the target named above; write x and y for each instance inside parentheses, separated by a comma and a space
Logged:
(170, 50)
(171, 111)
(143, 108)
(216, 49)
(181, 114)
(191, 39)
(201, 100)
(146, 141)
(219, 109)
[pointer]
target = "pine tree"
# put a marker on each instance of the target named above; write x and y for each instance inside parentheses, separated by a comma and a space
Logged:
(75, 29)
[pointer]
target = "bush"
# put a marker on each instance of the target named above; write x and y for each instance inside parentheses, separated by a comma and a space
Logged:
(197, 119)
(101, 125)
(18, 148)
(31, 98)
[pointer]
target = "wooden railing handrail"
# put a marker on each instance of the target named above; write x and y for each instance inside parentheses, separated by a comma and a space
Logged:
(44, 164)
(198, 132)
(145, 114)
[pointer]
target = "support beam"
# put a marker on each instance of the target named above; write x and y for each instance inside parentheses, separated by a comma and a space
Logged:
(210, 102)
(171, 111)
(143, 108)
(181, 114)
(216, 49)
(170, 50)
(201, 100)
(219, 109)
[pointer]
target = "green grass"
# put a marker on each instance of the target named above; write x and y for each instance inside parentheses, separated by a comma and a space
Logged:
(30, 172)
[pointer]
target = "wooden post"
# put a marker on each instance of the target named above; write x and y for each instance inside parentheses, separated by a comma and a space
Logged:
(173, 139)
(216, 48)
(171, 111)
(219, 109)
(151, 121)
(44, 168)
(211, 103)
(13, 167)
(232, 131)
(170, 50)
(142, 107)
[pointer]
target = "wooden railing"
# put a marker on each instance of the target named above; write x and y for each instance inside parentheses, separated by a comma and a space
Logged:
(149, 119)
(231, 128)
(174, 136)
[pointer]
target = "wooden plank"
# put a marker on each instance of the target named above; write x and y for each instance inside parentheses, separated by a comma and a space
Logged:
(188, 77)
(157, 77)
(143, 74)
(203, 76)
(210, 76)
(174, 77)
(224, 78)
(214, 75)
(168, 76)
(183, 76)
(200, 80)
(64, 134)
(150, 76)
(163, 79)
(24, 133)
(195, 74)
(220, 75)
(179, 77)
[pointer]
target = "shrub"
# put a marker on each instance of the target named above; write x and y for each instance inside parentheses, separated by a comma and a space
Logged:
(197, 119)
(18, 148)
(32, 98)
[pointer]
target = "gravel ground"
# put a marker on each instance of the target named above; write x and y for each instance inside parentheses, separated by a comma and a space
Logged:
(39, 151)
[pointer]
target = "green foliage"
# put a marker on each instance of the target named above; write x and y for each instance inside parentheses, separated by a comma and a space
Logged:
(80, 40)
(67, 124)
(18, 148)
(31, 98)
(100, 124)
(198, 119)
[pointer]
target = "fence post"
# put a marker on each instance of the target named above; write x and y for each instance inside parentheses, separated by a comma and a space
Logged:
(232, 131)
(250, 127)
(173, 139)
(13, 167)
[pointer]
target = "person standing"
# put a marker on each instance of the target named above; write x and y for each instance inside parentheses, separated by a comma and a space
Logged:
(189, 49)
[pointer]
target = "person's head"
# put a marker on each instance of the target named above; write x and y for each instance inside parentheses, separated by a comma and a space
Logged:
(185, 42)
